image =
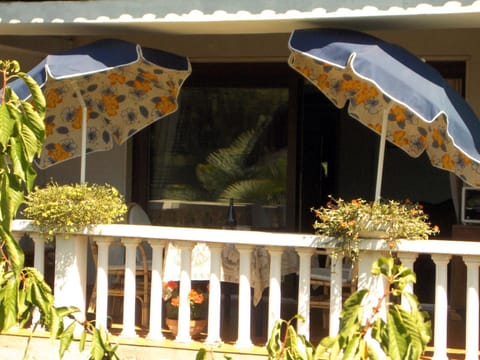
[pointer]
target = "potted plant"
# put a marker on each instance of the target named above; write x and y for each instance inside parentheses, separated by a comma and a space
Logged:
(198, 298)
(66, 209)
(346, 222)
(62, 211)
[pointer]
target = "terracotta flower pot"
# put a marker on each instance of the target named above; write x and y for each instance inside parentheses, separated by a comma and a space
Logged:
(196, 326)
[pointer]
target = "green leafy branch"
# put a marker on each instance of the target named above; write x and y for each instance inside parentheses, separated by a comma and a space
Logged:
(23, 290)
(285, 343)
(363, 334)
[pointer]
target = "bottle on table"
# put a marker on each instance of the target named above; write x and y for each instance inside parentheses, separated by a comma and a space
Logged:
(231, 222)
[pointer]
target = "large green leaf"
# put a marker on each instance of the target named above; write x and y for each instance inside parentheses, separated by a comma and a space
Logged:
(36, 92)
(17, 160)
(274, 344)
(9, 304)
(398, 339)
(32, 133)
(15, 253)
(8, 117)
(66, 338)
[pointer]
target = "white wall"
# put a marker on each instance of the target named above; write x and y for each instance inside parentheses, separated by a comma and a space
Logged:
(102, 167)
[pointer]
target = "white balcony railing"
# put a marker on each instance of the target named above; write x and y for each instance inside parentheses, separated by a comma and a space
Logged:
(71, 279)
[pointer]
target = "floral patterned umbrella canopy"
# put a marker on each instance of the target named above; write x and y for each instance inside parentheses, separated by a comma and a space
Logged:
(395, 94)
(114, 87)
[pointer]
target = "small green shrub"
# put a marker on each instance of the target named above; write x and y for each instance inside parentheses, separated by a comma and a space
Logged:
(70, 208)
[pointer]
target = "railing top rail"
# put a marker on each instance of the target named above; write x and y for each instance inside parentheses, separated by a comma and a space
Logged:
(247, 237)
(244, 237)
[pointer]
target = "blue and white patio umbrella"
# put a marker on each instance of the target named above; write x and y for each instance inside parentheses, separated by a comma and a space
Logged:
(395, 94)
(103, 92)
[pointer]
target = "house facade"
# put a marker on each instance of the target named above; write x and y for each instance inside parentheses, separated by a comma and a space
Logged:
(242, 98)
(241, 83)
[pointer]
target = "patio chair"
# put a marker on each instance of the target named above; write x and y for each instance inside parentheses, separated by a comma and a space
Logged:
(116, 269)
(320, 282)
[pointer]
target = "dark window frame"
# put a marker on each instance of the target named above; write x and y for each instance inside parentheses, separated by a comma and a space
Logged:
(228, 75)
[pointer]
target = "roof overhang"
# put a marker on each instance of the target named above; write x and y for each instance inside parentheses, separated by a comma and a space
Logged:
(106, 17)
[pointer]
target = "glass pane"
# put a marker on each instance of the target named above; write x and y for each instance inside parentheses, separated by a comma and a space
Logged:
(223, 143)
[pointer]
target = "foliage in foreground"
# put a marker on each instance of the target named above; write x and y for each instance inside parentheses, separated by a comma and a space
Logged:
(291, 345)
(364, 334)
(23, 291)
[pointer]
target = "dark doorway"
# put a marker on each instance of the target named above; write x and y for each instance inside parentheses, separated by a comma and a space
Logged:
(318, 129)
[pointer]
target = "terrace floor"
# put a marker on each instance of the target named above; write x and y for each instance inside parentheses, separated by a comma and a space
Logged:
(13, 343)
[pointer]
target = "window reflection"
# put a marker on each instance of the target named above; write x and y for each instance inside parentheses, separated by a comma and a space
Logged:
(223, 143)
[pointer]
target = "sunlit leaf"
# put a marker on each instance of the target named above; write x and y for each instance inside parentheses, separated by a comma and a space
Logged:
(66, 338)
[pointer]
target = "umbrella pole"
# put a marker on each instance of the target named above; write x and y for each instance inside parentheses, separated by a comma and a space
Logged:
(381, 156)
(84, 133)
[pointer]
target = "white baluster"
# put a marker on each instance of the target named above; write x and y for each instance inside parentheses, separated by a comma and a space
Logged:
(39, 264)
(71, 274)
(365, 277)
(183, 334)
(101, 300)
(214, 299)
(472, 332)
(441, 306)
(39, 252)
(156, 293)
(275, 292)
(244, 297)
(304, 273)
(129, 290)
(336, 279)
(408, 259)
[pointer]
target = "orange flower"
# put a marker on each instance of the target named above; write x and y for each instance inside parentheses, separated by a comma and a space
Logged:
(447, 162)
(399, 138)
(305, 71)
(466, 160)
(322, 81)
(116, 78)
(366, 92)
(111, 104)
(142, 85)
(149, 75)
(49, 126)
(438, 137)
(53, 98)
(376, 127)
(175, 301)
(58, 153)
(165, 105)
(196, 297)
(398, 114)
